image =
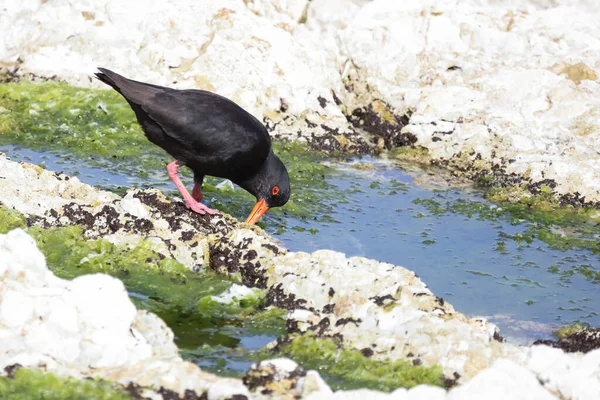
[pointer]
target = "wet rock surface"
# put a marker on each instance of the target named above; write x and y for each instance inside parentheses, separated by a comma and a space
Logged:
(383, 311)
(212, 46)
(505, 92)
(86, 327)
(584, 341)
(277, 377)
(496, 89)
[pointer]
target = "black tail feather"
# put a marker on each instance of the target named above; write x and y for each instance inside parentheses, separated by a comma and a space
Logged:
(108, 77)
(133, 91)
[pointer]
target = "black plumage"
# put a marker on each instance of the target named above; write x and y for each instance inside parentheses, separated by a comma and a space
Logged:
(212, 136)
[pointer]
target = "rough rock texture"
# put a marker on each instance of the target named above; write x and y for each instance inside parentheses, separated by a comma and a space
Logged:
(584, 340)
(400, 319)
(277, 377)
(380, 307)
(86, 327)
(52, 199)
(509, 88)
(224, 46)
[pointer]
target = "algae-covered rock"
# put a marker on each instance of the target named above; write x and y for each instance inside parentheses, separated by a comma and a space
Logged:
(277, 377)
(86, 327)
(245, 51)
(501, 88)
(380, 322)
(575, 339)
(341, 76)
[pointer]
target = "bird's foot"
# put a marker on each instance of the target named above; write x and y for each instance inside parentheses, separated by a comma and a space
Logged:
(199, 207)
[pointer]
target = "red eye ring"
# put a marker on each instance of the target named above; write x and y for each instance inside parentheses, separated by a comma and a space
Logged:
(275, 190)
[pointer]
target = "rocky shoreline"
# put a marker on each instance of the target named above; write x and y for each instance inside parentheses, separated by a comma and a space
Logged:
(384, 311)
(502, 94)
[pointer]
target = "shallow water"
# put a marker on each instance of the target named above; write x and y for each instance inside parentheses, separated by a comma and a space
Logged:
(479, 257)
(471, 258)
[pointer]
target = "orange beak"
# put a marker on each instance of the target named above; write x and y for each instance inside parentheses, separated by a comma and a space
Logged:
(259, 209)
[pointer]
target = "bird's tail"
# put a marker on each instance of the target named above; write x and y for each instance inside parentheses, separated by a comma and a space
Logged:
(133, 91)
(112, 79)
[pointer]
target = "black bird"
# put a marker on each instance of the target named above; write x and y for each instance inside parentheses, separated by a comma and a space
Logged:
(211, 135)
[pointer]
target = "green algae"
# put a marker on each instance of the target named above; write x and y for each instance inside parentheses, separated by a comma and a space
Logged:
(229, 343)
(96, 125)
(140, 268)
(415, 154)
(180, 297)
(561, 228)
(350, 369)
(29, 384)
(163, 285)
(98, 129)
(10, 219)
(567, 330)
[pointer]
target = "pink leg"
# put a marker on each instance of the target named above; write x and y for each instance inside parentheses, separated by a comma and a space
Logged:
(192, 204)
(197, 192)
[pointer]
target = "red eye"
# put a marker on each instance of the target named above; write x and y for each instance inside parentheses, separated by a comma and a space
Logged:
(275, 190)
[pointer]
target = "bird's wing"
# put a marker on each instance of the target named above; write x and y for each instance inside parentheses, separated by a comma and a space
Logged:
(210, 126)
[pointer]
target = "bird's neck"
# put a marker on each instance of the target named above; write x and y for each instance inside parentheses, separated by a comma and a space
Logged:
(260, 178)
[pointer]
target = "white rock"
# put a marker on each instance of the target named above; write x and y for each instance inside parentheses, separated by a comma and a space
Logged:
(503, 380)
(134, 206)
(87, 327)
(283, 366)
(15, 309)
(553, 368)
(313, 386)
(399, 394)
(222, 390)
(243, 50)
(426, 392)
(102, 302)
(585, 378)
(358, 394)
(63, 315)
(518, 91)
(21, 257)
(236, 293)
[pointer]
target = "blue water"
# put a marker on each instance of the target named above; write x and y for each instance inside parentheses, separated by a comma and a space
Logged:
(467, 261)
(526, 288)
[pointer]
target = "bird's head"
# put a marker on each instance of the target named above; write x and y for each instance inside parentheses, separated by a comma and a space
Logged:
(270, 185)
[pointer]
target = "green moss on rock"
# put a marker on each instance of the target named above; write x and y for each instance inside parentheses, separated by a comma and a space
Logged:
(568, 330)
(141, 269)
(56, 116)
(29, 384)
(416, 154)
(350, 369)
(182, 298)
(10, 219)
(99, 129)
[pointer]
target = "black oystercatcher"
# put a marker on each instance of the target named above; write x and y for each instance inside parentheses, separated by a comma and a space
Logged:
(211, 135)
